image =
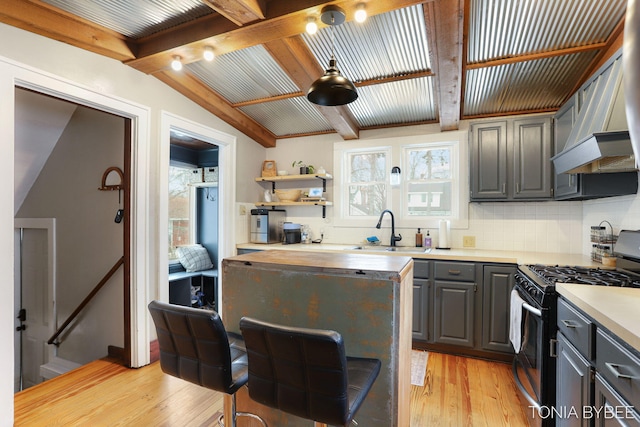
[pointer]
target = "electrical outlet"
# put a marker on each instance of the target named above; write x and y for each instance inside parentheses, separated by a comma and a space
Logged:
(468, 241)
(242, 210)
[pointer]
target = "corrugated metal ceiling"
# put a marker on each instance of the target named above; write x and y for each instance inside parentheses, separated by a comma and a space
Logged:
(520, 57)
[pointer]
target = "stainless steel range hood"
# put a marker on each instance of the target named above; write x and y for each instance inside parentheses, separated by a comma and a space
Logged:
(599, 141)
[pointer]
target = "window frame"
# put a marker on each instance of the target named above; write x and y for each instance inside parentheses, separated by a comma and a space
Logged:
(397, 195)
(193, 213)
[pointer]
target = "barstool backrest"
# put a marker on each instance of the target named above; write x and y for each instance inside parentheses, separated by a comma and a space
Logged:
(297, 370)
(194, 346)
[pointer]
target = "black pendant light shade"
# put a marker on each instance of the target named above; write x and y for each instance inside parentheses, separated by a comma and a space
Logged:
(332, 88)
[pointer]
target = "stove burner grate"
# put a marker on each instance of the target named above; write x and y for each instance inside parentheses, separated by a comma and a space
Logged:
(583, 275)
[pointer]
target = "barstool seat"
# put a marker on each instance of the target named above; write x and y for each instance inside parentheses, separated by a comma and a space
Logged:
(305, 372)
(195, 347)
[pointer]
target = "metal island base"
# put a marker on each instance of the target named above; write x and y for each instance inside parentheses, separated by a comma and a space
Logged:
(366, 298)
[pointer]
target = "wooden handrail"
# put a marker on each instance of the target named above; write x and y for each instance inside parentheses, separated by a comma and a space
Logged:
(82, 305)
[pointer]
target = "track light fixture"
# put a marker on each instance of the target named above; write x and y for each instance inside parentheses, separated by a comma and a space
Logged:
(208, 54)
(332, 88)
(361, 13)
(311, 27)
(176, 63)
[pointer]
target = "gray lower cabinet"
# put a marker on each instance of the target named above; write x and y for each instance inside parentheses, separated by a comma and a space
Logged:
(454, 303)
(453, 311)
(497, 283)
(597, 375)
(421, 299)
(573, 383)
(510, 159)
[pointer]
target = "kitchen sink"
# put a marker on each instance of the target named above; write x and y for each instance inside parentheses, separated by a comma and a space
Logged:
(390, 249)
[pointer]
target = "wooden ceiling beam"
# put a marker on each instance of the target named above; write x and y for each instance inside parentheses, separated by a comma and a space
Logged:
(444, 19)
(240, 12)
(188, 85)
(284, 18)
(40, 18)
(295, 58)
(536, 56)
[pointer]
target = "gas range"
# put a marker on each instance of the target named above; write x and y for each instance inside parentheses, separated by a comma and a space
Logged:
(541, 279)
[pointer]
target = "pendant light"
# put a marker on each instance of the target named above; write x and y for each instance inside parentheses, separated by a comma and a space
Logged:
(332, 88)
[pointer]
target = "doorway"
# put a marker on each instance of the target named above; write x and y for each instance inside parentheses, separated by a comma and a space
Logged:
(65, 186)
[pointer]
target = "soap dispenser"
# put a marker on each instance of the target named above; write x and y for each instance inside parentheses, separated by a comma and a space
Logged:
(418, 239)
(427, 241)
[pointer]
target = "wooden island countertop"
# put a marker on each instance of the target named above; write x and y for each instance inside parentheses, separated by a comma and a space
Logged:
(366, 298)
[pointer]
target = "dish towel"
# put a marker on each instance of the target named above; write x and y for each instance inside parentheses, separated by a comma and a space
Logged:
(515, 321)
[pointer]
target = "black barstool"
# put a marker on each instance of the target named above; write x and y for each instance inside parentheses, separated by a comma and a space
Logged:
(305, 372)
(195, 347)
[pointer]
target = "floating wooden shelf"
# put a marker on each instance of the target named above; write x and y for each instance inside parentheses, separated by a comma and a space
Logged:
(308, 177)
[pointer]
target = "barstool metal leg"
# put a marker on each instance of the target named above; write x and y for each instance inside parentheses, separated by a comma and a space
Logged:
(229, 412)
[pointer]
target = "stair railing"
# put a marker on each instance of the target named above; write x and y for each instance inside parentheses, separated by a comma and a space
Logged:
(84, 302)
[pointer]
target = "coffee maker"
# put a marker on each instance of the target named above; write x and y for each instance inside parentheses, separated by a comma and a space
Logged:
(266, 225)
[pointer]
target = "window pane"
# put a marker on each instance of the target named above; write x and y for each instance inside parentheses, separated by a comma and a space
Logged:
(367, 200)
(367, 185)
(429, 164)
(429, 199)
(367, 167)
(179, 205)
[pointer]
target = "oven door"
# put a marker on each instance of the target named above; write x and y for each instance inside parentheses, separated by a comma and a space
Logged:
(529, 362)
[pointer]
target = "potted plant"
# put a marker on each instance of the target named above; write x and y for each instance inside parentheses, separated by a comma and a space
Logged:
(304, 169)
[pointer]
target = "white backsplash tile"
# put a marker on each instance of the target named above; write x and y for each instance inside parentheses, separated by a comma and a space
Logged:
(555, 227)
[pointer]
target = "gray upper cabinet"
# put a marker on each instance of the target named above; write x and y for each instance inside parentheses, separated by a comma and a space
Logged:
(489, 161)
(510, 160)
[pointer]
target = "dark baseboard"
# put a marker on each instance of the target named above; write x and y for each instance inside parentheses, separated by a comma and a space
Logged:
(154, 351)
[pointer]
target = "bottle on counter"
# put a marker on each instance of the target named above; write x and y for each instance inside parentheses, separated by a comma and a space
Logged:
(427, 241)
(418, 239)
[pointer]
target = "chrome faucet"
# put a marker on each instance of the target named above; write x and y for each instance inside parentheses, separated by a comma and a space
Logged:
(394, 238)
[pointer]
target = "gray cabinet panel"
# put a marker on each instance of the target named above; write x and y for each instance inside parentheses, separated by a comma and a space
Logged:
(565, 184)
(421, 299)
(489, 160)
(573, 383)
(454, 310)
(621, 412)
(531, 154)
(497, 283)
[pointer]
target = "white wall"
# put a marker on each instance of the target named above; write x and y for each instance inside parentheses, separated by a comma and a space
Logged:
(19, 51)
(555, 227)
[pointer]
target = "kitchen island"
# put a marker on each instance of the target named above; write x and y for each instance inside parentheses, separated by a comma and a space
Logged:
(366, 298)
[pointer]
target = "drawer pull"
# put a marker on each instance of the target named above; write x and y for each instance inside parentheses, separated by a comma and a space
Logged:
(615, 370)
(570, 324)
(454, 272)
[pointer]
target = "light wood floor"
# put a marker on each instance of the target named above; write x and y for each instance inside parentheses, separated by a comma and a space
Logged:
(458, 391)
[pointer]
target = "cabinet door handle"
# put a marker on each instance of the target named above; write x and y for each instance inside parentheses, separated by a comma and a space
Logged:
(504, 188)
(517, 187)
(569, 324)
(454, 272)
(615, 370)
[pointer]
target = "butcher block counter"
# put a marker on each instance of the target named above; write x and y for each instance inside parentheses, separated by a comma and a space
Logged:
(366, 298)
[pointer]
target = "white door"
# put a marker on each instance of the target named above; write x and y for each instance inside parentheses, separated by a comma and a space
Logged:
(35, 295)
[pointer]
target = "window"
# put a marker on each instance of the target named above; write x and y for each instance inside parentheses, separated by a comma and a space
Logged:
(181, 216)
(367, 187)
(433, 184)
(429, 181)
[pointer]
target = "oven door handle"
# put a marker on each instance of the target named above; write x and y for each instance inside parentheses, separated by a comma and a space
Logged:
(531, 309)
(520, 386)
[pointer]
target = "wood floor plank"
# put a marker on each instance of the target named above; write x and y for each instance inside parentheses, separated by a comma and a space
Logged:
(458, 391)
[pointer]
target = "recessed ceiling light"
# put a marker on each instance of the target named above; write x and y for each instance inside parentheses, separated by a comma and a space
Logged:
(312, 27)
(361, 13)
